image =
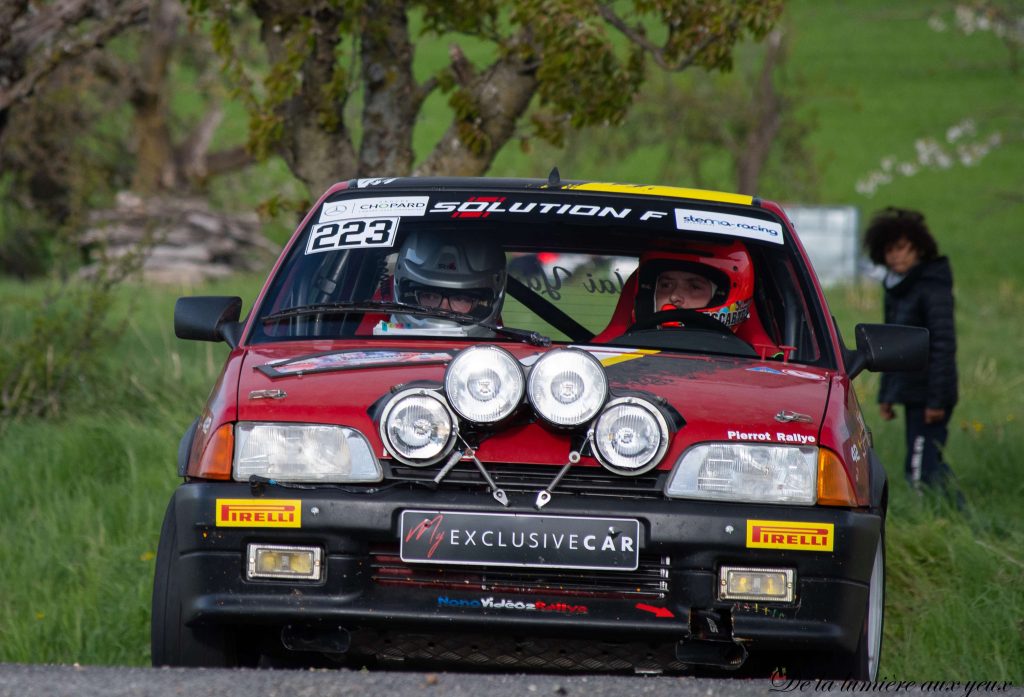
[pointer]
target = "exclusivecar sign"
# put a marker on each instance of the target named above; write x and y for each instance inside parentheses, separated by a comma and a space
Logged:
(502, 539)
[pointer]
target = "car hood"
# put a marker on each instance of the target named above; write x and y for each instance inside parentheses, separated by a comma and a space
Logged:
(719, 398)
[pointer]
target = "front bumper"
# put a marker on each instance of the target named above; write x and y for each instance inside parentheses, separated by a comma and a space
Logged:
(688, 540)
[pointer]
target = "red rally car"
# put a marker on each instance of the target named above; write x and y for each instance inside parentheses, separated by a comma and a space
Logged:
(531, 424)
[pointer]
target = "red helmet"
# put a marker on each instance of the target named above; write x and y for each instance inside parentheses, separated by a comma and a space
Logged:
(727, 266)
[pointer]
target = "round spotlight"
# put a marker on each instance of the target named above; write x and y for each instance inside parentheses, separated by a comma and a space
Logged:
(484, 384)
(417, 427)
(567, 387)
(630, 436)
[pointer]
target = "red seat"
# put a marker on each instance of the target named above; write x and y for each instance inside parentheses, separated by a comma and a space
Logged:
(622, 316)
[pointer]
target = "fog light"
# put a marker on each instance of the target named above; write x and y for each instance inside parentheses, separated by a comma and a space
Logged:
(284, 561)
(736, 583)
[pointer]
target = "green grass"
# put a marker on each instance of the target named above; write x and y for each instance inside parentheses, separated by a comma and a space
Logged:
(83, 495)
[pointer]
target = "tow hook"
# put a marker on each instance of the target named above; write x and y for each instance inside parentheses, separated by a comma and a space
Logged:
(722, 654)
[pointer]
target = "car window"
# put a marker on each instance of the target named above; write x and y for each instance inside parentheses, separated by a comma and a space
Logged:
(574, 280)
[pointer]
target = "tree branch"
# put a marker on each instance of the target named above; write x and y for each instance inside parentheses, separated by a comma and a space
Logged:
(192, 154)
(424, 90)
(10, 12)
(493, 101)
(132, 13)
(223, 161)
(766, 119)
(657, 53)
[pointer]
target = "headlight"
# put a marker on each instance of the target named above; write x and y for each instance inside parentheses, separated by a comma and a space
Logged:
(630, 436)
(418, 427)
(303, 453)
(567, 387)
(745, 472)
(484, 384)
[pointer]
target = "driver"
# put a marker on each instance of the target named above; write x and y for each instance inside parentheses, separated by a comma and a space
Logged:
(715, 280)
(675, 288)
(451, 272)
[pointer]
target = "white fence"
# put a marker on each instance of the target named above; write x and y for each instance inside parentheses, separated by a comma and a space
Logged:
(830, 235)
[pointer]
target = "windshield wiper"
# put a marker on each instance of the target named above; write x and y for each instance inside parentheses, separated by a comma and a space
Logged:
(530, 337)
(533, 338)
(369, 306)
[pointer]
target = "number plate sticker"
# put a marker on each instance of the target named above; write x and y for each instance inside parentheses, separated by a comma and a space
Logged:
(507, 539)
(348, 234)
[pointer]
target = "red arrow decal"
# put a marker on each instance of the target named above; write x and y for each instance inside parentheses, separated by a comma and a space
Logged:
(658, 611)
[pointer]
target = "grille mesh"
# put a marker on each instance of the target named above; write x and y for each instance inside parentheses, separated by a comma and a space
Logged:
(650, 580)
(519, 653)
(590, 481)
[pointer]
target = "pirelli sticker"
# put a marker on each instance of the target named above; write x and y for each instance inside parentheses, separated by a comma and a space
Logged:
(782, 534)
(250, 513)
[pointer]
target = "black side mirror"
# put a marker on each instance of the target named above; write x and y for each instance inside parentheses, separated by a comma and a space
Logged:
(887, 348)
(209, 318)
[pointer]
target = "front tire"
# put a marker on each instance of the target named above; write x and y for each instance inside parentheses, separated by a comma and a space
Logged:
(862, 664)
(859, 664)
(870, 649)
(172, 642)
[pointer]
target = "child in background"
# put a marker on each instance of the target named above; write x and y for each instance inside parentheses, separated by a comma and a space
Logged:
(918, 292)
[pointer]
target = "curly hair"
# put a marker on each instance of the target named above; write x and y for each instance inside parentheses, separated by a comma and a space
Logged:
(890, 225)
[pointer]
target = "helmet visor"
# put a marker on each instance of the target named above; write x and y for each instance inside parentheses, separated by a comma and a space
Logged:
(473, 301)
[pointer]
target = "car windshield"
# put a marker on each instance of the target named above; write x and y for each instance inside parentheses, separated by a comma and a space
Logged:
(629, 272)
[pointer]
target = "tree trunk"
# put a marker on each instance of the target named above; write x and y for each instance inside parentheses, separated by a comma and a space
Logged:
(500, 96)
(317, 153)
(391, 97)
(769, 105)
(155, 166)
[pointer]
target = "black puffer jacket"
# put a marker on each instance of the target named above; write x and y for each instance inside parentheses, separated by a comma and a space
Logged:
(924, 298)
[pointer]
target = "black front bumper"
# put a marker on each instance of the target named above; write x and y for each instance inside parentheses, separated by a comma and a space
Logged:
(690, 540)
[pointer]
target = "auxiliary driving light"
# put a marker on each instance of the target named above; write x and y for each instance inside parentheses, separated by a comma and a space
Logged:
(567, 387)
(484, 384)
(284, 561)
(630, 436)
(418, 427)
(741, 583)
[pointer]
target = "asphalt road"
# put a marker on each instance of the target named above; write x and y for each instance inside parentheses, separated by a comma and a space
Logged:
(70, 681)
(86, 681)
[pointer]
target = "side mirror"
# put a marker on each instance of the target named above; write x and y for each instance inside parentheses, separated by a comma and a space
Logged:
(209, 318)
(887, 348)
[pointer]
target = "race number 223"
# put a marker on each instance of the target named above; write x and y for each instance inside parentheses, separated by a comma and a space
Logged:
(346, 234)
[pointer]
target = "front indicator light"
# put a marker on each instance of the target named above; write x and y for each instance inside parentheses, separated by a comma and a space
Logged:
(215, 461)
(834, 487)
(284, 561)
(741, 583)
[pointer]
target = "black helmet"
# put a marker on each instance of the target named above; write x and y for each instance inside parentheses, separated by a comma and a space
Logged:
(451, 265)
